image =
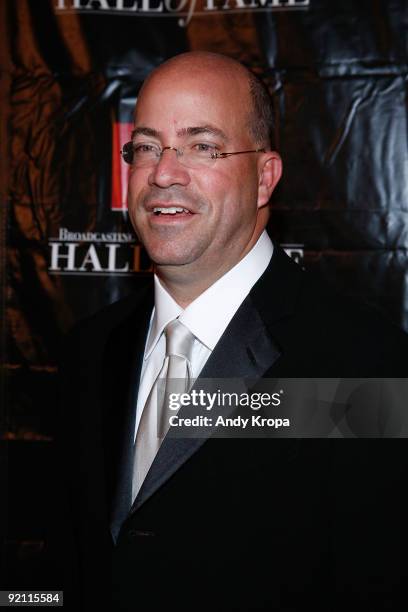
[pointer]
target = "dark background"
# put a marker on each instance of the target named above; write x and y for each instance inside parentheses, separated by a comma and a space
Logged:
(337, 71)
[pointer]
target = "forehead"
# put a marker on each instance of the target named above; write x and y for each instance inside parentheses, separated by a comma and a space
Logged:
(175, 100)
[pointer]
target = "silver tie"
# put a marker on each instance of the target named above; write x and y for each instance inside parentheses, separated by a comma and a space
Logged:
(175, 376)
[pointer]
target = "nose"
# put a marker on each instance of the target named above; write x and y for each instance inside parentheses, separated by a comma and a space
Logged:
(168, 171)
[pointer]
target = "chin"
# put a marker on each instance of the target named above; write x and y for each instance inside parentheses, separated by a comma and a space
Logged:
(161, 260)
(161, 257)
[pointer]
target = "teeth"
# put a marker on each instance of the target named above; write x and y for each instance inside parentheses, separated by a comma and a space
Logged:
(172, 210)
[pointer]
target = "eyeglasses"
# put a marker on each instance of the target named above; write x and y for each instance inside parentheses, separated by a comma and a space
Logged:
(193, 156)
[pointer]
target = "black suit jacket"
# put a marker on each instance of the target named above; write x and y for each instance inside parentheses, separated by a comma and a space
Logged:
(231, 524)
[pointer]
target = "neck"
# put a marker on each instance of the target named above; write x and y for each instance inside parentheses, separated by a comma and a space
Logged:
(184, 285)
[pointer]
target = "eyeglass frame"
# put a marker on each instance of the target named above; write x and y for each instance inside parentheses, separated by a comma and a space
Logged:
(179, 152)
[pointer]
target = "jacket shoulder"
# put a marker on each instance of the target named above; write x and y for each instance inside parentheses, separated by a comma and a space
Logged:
(89, 335)
(108, 317)
(325, 331)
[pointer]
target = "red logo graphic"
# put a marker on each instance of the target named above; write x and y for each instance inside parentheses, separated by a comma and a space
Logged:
(120, 170)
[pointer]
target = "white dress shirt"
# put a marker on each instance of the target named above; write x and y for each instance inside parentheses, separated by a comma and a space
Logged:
(206, 317)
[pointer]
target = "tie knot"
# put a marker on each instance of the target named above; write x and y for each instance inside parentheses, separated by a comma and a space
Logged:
(179, 340)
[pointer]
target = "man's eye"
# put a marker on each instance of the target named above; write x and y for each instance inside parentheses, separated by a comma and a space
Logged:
(144, 148)
(204, 147)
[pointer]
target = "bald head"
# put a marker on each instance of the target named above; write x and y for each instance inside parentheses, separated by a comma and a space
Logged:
(233, 80)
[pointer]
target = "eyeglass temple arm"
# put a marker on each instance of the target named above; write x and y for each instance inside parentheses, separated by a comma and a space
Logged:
(216, 155)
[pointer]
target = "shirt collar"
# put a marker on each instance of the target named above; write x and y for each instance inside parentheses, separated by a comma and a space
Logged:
(165, 310)
(210, 313)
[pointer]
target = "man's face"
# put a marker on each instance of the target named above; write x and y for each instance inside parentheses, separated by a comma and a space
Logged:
(222, 199)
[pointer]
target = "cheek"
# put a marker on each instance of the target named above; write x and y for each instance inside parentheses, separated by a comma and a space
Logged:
(216, 188)
(230, 192)
(137, 190)
(137, 181)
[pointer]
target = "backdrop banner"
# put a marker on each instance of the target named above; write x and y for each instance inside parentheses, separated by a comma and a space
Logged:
(70, 73)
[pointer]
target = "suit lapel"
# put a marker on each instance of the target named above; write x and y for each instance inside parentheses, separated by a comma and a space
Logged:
(245, 351)
(120, 382)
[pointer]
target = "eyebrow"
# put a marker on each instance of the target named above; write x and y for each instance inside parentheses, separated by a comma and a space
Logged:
(189, 131)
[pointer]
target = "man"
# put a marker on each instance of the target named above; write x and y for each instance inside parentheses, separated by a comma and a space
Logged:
(221, 524)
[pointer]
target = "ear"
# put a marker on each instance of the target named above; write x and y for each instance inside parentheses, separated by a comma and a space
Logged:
(270, 171)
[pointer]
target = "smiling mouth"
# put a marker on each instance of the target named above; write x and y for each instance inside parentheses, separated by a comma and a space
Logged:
(170, 210)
